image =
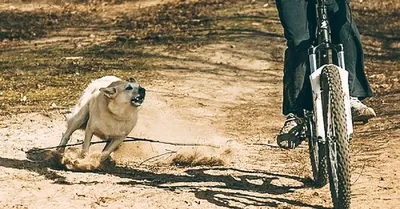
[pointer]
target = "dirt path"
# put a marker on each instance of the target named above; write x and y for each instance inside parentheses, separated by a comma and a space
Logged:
(226, 93)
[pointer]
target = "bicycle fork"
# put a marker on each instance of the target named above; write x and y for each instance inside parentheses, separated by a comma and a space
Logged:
(316, 88)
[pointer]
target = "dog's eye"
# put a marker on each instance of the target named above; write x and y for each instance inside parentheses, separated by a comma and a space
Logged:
(128, 88)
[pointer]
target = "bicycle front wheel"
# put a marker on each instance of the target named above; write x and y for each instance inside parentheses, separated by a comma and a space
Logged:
(337, 145)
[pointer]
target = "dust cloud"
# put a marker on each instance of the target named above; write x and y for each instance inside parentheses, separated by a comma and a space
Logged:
(157, 122)
(73, 160)
(189, 142)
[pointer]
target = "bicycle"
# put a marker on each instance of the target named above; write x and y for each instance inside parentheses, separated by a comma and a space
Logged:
(329, 125)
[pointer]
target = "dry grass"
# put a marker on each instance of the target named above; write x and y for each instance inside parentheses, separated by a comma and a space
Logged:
(36, 73)
(196, 159)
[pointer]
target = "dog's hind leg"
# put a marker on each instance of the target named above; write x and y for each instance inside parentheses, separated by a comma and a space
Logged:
(65, 139)
(74, 123)
(86, 143)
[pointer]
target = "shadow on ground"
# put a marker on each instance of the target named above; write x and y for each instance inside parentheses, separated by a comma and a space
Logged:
(223, 190)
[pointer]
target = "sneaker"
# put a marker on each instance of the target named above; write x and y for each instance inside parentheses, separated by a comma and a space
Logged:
(360, 111)
(292, 132)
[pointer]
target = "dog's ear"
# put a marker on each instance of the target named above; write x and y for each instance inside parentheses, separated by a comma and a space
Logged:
(132, 80)
(110, 92)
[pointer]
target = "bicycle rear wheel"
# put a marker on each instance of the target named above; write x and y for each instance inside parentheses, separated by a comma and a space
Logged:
(336, 134)
(317, 153)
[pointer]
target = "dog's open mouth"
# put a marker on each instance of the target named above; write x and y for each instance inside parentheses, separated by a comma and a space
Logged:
(137, 101)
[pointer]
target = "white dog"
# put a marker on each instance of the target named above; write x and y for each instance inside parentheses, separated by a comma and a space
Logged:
(108, 109)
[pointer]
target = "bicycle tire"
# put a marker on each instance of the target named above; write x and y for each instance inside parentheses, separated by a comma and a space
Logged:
(318, 156)
(338, 159)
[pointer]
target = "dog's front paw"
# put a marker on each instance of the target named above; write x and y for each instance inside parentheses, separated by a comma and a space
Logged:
(107, 164)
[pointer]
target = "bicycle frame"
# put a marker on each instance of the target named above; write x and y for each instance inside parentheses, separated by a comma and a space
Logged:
(317, 63)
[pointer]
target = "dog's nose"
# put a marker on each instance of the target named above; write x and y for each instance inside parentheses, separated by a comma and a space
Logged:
(142, 92)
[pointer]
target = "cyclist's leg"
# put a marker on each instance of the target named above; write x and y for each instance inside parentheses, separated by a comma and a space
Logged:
(344, 30)
(298, 20)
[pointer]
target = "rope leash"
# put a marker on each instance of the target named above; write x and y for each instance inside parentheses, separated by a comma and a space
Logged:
(129, 139)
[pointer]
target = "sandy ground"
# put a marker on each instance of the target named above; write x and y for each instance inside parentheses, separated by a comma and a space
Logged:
(226, 94)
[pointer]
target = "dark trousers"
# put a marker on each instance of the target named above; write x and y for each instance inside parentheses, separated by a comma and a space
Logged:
(298, 18)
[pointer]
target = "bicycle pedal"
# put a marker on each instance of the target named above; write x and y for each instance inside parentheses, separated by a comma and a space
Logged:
(361, 122)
